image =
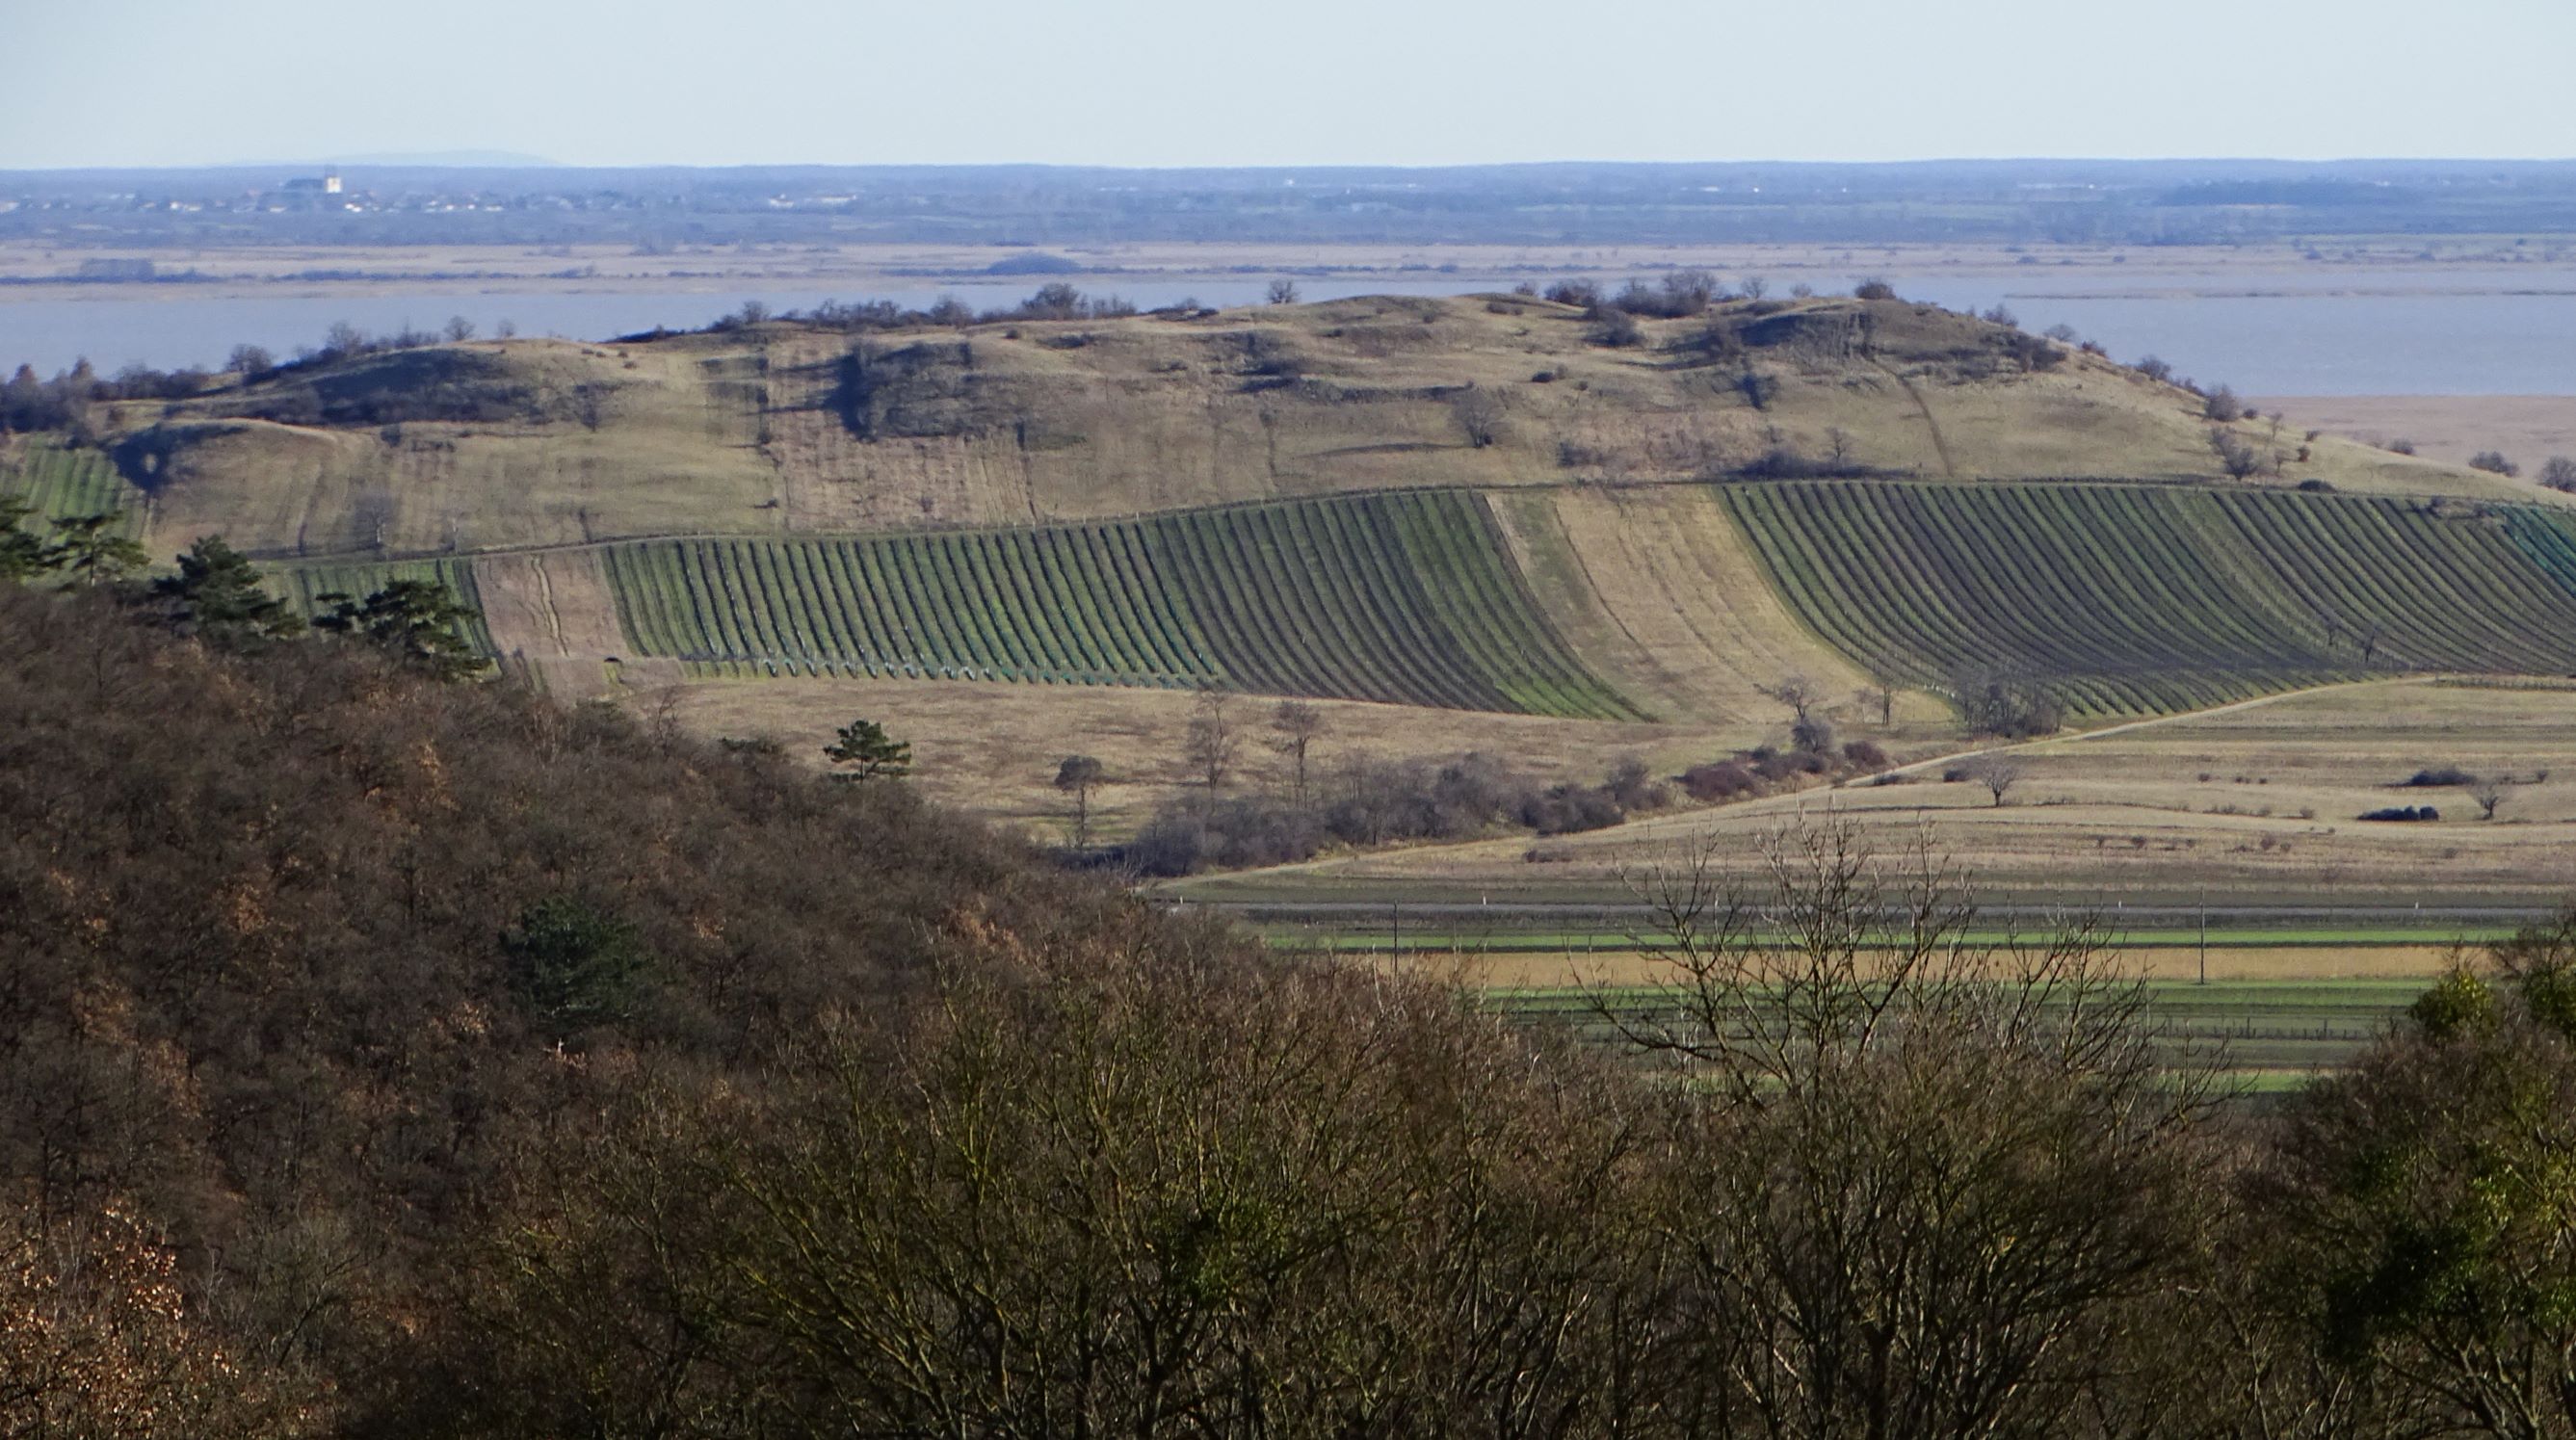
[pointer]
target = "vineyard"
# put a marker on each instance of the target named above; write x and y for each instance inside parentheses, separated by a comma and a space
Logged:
(62, 483)
(1407, 598)
(2138, 600)
(2549, 538)
(305, 585)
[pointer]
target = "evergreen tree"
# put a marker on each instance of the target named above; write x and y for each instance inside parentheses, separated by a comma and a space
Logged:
(22, 553)
(218, 594)
(90, 550)
(420, 622)
(865, 745)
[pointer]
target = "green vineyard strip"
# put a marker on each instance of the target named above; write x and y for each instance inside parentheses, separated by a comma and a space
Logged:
(64, 484)
(2548, 537)
(1409, 599)
(305, 585)
(2138, 600)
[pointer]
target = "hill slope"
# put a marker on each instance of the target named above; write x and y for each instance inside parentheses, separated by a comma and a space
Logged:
(792, 428)
(1680, 602)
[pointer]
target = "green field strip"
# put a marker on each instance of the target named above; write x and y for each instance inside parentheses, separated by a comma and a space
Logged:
(1350, 570)
(62, 483)
(1529, 632)
(2134, 600)
(2548, 539)
(1409, 599)
(1458, 593)
(303, 586)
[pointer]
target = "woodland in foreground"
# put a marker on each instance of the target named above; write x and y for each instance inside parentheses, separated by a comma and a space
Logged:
(389, 1054)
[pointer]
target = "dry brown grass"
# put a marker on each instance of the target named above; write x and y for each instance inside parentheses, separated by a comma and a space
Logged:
(1659, 588)
(992, 748)
(2449, 428)
(549, 604)
(2131, 816)
(739, 433)
(675, 453)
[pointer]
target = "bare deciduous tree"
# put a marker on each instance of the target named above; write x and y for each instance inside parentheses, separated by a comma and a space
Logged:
(1480, 416)
(1282, 292)
(2489, 791)
(1880, 693)
(1078, 776)
(2235, 454)
(1998, 773)
(1797, 692)
(1867, 1115)
(1296, 725)
(1211, 740)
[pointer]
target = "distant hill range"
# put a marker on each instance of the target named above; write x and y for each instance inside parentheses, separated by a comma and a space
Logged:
(2122, 202)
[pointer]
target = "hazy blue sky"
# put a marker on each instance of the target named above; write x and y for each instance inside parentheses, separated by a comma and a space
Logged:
(1191, 82)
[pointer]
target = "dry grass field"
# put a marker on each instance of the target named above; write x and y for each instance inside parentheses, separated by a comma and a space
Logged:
(2528, 429)
(674, 451)
(2256, 805)
(776, 428)
(1658, 587)
(992, 748)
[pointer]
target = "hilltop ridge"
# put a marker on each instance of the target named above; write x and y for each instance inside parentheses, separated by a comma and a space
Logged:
(788, 426)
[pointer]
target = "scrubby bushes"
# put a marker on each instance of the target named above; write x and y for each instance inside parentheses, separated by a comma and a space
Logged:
(2007, 707)
(2494, 463)
(1763, 769)
(2402, 812)
(1719, 780)
(1369, 802)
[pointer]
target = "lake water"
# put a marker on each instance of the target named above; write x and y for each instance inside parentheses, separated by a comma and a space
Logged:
(2334, 332)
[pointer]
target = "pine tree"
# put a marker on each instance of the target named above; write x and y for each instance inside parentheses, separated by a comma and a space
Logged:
(419, 622)
(218, 594)
(865, 745)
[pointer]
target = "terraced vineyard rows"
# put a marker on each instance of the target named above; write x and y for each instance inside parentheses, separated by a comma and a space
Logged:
(62, 483)
(1403, 597)
(2548, 537)
(2141, 599)
(305, 585)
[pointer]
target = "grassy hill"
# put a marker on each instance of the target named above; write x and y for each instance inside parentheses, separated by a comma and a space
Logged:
(1469, 505)
(785, 428)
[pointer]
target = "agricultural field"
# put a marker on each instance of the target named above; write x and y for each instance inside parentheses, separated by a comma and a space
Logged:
(2138, 600)
(2272, 1004)
(305, 585)
(991, 749)
(1404, 598)
(2263, 1036)
(61, 483)
(2247, 808)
